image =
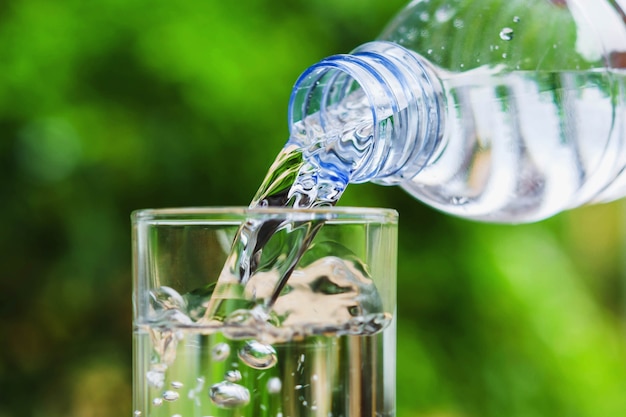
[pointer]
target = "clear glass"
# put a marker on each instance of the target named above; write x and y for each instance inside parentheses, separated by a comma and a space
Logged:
(326, 348)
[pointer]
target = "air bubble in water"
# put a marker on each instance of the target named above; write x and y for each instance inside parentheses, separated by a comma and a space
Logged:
(155, 378)
(167, 298)
(177, 385)
(193, 393)
(258, 355)
(274, 385)
(233, 376)
(228, 395)
(506, 34)
(170, 395)
(157, 402)
(516, 19)
(137, 413)
(220, 351)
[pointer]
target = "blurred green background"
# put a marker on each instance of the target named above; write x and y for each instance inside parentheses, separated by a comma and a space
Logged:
(112, 105)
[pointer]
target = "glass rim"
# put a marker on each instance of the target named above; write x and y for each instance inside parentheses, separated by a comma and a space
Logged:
(221, 213)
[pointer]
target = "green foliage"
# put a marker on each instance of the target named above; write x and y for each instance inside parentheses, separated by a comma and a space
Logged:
(110, 106)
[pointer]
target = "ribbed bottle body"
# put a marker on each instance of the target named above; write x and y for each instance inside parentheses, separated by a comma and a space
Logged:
(501, 111)
(534, 104)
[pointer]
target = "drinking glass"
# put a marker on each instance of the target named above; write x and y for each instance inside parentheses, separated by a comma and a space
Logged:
(308, 330)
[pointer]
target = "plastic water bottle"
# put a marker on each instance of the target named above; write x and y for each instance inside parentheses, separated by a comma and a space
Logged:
(501, 111)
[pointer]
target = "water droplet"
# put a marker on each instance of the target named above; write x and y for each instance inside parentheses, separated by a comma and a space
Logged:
(504, 55)
(177, 384)
(170, 395)
(220, 352)
(137, 413)
(444, 13)
(458, 23)
(516, 19)
(430, 51)
(274, 385)
(177, 415)
(424, 16)
(459, 201)
(233, 375)
(506, 34)
(228, 395)
(257, 355)
(157, 402)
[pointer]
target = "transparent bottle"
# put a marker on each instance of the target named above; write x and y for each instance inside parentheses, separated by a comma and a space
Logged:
(501, 111)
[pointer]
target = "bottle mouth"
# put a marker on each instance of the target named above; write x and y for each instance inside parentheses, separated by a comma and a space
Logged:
(366, 112)
(332, 110)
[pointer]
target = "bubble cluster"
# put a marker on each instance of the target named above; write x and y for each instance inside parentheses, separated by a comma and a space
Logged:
(155, 378)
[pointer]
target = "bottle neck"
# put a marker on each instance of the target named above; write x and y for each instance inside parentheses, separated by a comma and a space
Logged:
(374, 115)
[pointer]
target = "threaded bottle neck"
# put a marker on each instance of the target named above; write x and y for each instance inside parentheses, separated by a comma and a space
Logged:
(373, 115)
